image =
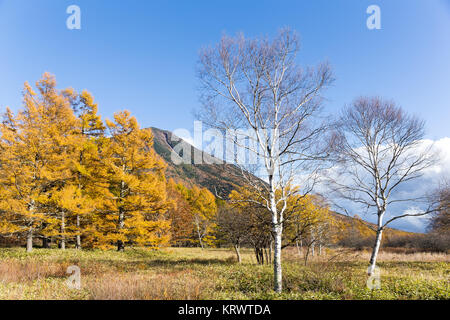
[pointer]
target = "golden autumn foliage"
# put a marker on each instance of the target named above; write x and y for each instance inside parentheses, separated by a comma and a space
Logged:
(36, 148)
(203, 209)
(305, 216)
(137, 194)
(68, 177)
(89, 174)
(64, 178)
(179, 214)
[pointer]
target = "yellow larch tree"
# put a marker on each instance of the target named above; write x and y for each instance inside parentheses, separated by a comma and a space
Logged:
(89, 182)
(203, 210)
(137, 202)
(36, 145)
(179, 213)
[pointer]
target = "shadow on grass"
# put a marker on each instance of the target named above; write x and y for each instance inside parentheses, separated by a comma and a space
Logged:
(190, 261)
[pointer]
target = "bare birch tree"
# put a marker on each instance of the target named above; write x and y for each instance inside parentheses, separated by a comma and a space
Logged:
(257, 85)
(378, 148)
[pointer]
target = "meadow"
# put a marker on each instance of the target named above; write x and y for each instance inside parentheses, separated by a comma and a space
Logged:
(194, 273)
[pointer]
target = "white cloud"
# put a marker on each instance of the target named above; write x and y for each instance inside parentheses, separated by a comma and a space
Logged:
(414, 222)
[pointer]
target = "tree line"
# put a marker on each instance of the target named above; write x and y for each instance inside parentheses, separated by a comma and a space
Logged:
(361, 157)
(70, 178)
(309, 223)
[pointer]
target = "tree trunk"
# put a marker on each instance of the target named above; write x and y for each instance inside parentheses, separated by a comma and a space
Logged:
(63, 230)
(121, 222)
(199, 233)
(120, 244)
(320, 249)
(298, 249)
(30, 240)
(45, 242)
(257, 255)
(238, 254)
(78, 237)
(277, 227)
(259, 252)
(270, 251)
(278, 287)
(266, 254)
(307, 254)
(376, 247)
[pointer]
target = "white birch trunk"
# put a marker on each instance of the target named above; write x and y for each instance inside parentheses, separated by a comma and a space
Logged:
(78, 238)
(277, 224)
(376, 247)
(277, 260)
(30, 240)
(63, 227)
(199, 234)
(298, 249)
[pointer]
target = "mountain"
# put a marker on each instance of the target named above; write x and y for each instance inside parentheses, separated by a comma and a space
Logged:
(218, 177)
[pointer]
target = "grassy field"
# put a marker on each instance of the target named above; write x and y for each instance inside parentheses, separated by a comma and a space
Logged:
(192, 273)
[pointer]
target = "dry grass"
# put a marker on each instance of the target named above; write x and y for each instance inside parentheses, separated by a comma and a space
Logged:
(348, 255)
(410, 257)
(135, 275)
(178, 286)
(193, 273)
(22, 271)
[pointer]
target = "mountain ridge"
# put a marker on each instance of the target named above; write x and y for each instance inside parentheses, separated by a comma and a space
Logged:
(218, 176)
(214, 174)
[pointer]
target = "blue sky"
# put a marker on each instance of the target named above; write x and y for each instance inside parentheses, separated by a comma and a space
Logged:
(141, 55)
